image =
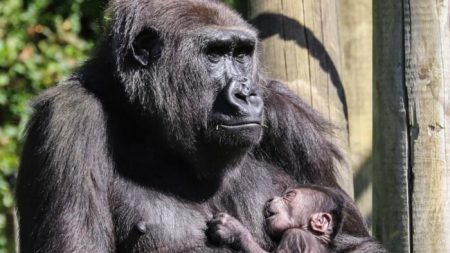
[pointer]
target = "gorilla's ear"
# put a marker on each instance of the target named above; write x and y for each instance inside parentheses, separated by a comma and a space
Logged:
(147, 47)
(321, 223)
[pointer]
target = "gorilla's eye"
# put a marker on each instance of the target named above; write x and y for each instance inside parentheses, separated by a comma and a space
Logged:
(240, 58)
(243, 51)
(290, 195)
(214, 58)
(216, 51)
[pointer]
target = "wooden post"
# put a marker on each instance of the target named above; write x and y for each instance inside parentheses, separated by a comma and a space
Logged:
(355, 29)
(300, 46)
(412, 125)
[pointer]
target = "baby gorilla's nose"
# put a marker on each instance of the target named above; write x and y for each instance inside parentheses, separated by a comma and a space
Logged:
(268, 210)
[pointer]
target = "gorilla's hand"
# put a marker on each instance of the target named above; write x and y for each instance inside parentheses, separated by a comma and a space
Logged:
(224, 229)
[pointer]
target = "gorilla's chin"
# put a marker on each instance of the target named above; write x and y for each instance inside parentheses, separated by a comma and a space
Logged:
(238, 136)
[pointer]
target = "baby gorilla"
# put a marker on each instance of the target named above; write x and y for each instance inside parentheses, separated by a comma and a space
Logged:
(305, 219)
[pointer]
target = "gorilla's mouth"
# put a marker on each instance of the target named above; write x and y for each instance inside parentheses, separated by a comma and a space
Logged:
(240, 125)
(270, 215)
(235, 131)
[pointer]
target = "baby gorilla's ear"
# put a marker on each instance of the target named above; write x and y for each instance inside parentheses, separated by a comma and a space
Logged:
(321, 223)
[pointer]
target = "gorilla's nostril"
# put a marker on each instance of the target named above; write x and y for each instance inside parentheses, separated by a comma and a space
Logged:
(241, 96)
(243, 79)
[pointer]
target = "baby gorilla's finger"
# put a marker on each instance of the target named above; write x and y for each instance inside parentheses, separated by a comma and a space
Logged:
(219, 219)
(222, 229)
(221, 216)
(219, 234)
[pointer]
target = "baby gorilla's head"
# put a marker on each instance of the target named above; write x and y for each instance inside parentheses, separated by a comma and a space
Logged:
(314, 208)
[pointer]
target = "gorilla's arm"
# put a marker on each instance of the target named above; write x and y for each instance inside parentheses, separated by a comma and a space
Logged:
(295, 138)
(352, 244)
(62, 185)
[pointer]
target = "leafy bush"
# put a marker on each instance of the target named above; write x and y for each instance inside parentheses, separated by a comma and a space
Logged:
(41, 42)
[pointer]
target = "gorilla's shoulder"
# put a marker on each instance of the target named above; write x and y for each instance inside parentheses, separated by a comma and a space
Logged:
(279, 95)
(297, 137)
(285, 111)
(67, 109)
(67, 97)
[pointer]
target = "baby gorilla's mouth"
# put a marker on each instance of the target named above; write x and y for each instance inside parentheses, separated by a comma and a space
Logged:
(270, 214)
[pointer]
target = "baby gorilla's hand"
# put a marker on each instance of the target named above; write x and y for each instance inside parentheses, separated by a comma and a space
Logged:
(224, 229)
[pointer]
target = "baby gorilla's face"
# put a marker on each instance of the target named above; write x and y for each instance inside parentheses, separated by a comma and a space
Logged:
(286, 212)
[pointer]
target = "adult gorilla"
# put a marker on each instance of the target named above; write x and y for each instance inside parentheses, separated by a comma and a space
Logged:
(169, 123)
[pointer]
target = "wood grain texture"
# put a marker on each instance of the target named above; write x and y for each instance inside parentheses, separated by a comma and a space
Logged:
(300, 46)
(391, 214)
(412, 119)
(355, 29)
(426, 72)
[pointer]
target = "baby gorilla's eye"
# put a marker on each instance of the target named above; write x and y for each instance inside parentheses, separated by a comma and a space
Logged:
(290, 195)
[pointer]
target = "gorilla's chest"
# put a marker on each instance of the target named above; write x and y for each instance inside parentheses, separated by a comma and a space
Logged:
(147, 220)
(159, 223)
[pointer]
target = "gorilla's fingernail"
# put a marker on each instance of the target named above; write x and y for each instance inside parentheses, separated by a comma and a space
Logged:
(141, 227)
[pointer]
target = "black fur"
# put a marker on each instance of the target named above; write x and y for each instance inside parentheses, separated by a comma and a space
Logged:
(124, 156)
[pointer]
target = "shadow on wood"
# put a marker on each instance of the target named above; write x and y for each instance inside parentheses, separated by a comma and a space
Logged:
(263, 22)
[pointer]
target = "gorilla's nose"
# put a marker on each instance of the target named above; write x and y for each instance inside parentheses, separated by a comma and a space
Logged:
(244, 98)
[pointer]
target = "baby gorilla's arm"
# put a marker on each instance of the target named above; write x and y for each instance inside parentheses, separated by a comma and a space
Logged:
(227, 230)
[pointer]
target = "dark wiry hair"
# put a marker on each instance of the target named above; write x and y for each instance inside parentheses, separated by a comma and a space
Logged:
(182, 26)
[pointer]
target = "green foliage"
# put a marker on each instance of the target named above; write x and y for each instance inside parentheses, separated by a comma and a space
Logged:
(229, 2)
(234, 3)
(41, 42)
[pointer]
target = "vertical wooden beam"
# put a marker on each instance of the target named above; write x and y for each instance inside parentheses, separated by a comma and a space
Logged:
(391, 212)
(426, 72)
(300, 46)
(412, 120)
(355, 19)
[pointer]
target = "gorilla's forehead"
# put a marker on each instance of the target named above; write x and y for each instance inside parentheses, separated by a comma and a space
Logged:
(179, 16)
(213, 32)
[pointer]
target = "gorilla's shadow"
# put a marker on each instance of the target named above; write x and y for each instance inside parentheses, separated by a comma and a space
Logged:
(264, 23)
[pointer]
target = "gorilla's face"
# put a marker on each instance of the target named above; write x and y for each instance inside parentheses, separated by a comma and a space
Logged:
(199, 82)
(236, 114)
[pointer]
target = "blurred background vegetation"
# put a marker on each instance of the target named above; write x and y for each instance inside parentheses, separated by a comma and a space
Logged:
(41, 42)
